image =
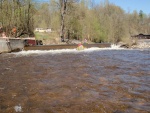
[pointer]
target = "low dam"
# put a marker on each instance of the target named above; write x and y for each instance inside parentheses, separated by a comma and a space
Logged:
(65, 46)
(17, 44)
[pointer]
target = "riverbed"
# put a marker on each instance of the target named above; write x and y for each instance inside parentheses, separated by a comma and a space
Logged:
(94, 80)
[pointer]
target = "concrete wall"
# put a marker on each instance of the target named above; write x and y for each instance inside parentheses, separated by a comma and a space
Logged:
(12, 45)
(16, 44)
(4, 46)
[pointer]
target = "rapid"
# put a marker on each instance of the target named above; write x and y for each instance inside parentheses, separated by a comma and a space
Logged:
(94, 80)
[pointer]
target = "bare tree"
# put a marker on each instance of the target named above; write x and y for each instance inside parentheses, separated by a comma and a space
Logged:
(17, 16)
(64, 6)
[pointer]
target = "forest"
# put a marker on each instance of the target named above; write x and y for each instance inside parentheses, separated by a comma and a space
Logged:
(72, 19)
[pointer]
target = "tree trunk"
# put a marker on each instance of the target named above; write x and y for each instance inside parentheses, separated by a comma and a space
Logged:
(63, 4)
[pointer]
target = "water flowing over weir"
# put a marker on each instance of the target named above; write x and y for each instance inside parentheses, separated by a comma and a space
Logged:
(95, 80)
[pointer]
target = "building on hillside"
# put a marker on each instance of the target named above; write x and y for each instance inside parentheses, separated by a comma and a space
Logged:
(41, 30)
(141, 36)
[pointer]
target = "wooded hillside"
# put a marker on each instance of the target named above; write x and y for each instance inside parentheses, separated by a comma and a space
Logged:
(75, 19)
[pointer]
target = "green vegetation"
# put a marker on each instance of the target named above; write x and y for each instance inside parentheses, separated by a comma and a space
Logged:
(18, 15)
(48, 38)
(74, 19)
(43, 36)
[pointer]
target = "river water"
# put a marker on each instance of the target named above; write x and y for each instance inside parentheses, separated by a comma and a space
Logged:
(69, 81)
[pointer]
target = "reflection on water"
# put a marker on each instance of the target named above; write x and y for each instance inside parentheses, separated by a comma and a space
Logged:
(70, 81)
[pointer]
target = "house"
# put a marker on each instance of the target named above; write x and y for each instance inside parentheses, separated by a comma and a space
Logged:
(41, 30)
(141, 36)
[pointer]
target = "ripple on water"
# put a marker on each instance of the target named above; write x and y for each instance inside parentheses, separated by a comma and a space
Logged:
(71, 81)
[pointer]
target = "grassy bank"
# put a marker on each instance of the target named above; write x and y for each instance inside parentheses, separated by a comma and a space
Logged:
(48, 38)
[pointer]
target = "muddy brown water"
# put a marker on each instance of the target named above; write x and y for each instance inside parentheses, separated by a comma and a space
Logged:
(69, 81)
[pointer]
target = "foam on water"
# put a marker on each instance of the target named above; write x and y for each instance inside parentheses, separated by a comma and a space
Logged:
(59, 51)
(18, 108)
(114, 46)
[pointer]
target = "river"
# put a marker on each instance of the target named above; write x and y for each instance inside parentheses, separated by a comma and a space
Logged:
(108, 80)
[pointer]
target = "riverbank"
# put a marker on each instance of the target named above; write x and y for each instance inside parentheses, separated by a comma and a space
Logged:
(141, 44)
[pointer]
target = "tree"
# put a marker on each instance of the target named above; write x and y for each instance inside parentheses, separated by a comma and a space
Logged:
(65, 7)
(17, 14)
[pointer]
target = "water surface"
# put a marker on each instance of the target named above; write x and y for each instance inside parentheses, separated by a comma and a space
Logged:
(71, 81)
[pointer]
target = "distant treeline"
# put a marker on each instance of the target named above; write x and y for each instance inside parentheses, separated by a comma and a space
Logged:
(75, 19)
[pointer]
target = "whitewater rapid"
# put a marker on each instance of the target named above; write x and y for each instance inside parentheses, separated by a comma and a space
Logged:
(59, 51)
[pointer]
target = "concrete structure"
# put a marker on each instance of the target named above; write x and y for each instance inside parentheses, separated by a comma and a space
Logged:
(4, 45)
(10, 45)
(65, 46)
(16, 44)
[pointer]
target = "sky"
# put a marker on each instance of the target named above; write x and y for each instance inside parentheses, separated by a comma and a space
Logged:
(131, 5)
(127, 5)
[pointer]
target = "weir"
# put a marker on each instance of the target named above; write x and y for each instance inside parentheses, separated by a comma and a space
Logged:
(18, 44)
(66, 46)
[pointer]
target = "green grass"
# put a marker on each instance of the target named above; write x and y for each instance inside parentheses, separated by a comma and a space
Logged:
(48, 38)
(45, 36)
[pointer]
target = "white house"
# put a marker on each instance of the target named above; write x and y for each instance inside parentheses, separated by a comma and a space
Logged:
(41, 30)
